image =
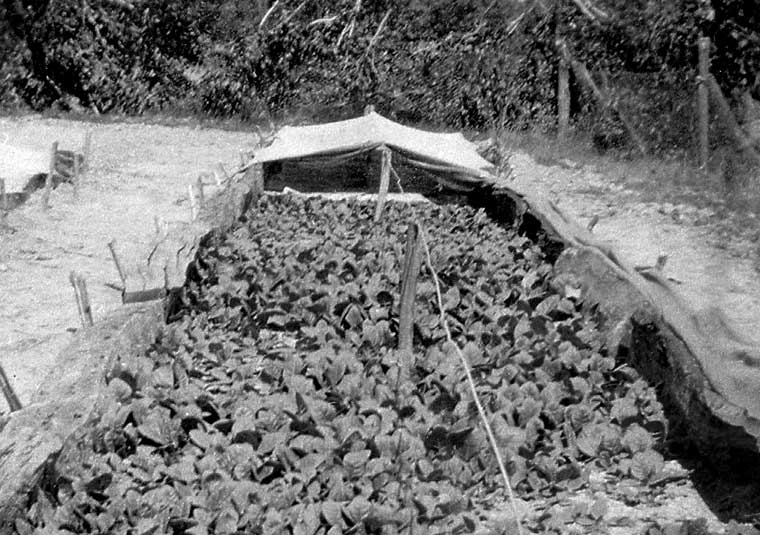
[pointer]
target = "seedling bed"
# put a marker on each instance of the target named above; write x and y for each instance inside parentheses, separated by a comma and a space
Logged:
(275, 400)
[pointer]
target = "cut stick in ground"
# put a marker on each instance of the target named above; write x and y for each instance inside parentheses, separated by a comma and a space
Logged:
(122, 276)
(10, 396)
(77, 297)
(49, 177)
(385, 177)
(412, 261)
(223, 176)
(86, 309)
(201, 196)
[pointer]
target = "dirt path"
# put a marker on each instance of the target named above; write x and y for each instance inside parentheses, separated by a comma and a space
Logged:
(138, 172)
(711, 270)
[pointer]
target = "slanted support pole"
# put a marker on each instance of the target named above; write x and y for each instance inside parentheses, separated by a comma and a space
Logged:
(385, 178)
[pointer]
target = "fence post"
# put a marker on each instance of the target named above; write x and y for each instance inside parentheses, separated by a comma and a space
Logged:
(563, 93)
(563, 98)
(703, 101)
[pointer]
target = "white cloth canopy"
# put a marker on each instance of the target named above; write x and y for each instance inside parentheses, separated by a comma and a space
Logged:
(443, 152)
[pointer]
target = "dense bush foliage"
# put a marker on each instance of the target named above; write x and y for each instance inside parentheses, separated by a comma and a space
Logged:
(463, 63)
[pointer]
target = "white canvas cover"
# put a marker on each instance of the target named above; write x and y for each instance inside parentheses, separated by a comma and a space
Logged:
(442, 152)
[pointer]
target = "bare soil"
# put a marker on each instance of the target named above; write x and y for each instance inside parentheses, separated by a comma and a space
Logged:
(140, 172)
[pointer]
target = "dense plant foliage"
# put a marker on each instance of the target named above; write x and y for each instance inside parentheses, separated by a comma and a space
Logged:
(276, 402)
(459, 63)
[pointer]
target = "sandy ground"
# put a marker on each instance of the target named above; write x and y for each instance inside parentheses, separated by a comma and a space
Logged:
(138, 172)
(141, 172)
(710, 270)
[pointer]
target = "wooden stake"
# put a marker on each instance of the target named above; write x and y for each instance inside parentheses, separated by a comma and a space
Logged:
(563, 85)
(77, 297)
(412, 261)
(201, 196)
(385, 178)
(255, 174)
(563, 99)
(193, 204)
(49, 178)
(703, 101)
(224, 175)
(10, 396)
(86, 309)
(122, 276)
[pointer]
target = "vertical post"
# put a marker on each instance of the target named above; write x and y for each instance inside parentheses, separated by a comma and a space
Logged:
(77, 296)
(49, 178)
(256, 173)
(385, 178)
(10, 396)
(112, 248)
(703, 101)
(563, 92)
(201, 198)
(411, 268)
(563, 99)
(86, 309)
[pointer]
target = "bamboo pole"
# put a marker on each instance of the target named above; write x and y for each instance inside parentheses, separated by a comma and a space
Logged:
(49, 177)
(411, 269)
(385, 178)
(703, 101)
